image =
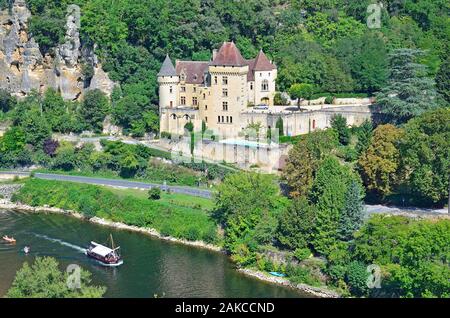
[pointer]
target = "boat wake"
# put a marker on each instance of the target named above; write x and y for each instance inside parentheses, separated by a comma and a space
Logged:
(64, 243)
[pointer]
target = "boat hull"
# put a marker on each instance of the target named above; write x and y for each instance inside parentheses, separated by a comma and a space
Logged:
(103, 262)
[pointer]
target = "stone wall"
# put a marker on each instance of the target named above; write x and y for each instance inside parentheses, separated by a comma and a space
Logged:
(7, 190)
(302, 122)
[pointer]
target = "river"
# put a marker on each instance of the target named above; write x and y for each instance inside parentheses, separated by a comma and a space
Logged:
(151, 266)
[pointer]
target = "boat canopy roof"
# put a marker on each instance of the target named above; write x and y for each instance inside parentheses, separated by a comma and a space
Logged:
(101, 250)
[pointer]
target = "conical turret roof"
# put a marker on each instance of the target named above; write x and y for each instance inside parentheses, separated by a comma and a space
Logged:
(262, 63)
(167, 68)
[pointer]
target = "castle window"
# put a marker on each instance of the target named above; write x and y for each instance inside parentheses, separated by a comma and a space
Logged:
(222, 119)
(206, 107)
(218, 119)
(314, 124)
(173, 116)
(215, 80)
(225, 106)
(206, 119)
(225, 92)
(183, 100)
(204, 96)
(171, 104)
(195, 89)
(231, 119)
(183, 89)
(265, 86)
(170, 90)
(228, 119)
(225, 80)
(183, 77)
(194, 101)
(251, 86)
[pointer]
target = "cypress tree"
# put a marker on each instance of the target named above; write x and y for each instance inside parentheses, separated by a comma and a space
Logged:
(352, 214)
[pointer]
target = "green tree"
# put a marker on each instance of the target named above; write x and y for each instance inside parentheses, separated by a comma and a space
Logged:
(304, 159)
(365, 58)
(425, 156)
(364, 134)
(296, 223)
(94, 108)
(301, 91)
(352, 215)
(154, 193)
(379, 165)
(339, 123)
(36, 127)
(65, 158)
(328, 194)
(412, 254)
(443, 79)
(409, 92)
(43, 279)
(356, 277)
(7, 102)
(241, 202)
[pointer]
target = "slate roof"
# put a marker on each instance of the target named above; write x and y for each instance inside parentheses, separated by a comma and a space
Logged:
(193, 70)
(229, 55)
(262, 63)
(167, 68)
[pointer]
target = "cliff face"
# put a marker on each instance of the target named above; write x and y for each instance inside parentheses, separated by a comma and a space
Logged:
(23, 68)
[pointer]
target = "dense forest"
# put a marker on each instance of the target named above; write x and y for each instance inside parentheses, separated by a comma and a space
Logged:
(325, 43)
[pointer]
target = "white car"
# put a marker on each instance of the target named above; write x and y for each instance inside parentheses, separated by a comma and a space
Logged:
(261, 106)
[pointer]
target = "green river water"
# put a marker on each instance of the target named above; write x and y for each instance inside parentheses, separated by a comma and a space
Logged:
(151, 266)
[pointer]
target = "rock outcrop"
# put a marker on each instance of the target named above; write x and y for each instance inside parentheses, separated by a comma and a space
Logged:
(23, 68)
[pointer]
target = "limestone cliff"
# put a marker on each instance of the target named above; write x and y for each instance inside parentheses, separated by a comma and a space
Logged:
(23, 68)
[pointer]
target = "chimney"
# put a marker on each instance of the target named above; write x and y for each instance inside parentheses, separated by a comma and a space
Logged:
(214, 52)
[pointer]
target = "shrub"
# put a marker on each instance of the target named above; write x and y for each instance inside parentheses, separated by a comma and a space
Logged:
(356, 278)
(302, 253)
(154, 193)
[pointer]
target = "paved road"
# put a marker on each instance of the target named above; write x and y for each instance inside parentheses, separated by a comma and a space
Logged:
(203, 193)
(117, 183)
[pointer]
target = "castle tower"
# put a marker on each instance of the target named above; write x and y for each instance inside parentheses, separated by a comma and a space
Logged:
(228, 72)
(264, 74)
(168, 81)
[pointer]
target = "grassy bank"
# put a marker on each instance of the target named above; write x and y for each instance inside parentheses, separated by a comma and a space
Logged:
(173, 215)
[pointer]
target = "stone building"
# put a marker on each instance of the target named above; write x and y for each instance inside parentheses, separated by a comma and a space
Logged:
(230, 93)
(215, 92)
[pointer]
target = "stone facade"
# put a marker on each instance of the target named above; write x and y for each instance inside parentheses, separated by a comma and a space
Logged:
(230, 94)
(215, 92)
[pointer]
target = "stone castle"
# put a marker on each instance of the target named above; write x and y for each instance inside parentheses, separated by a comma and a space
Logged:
(215, 92)
(229, 94)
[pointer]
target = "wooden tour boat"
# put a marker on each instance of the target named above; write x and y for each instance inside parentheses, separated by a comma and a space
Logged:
(104, 255)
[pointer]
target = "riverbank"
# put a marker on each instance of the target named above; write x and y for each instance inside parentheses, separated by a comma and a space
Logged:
(313, 291)
(8, 205)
